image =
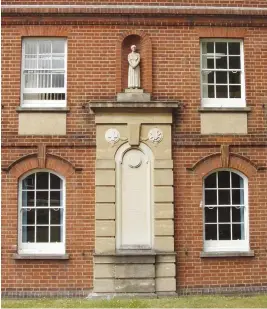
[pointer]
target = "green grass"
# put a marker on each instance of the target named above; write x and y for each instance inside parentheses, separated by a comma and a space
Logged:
(213, 301)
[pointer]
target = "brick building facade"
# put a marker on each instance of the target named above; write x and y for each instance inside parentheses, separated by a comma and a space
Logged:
(112, 190)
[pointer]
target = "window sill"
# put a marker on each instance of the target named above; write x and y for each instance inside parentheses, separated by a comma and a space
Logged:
(224, 109)
(42, 110)
(227, 254)
(18, 256)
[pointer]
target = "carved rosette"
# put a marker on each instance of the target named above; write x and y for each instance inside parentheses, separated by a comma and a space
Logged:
(112, 136)
(155, 135)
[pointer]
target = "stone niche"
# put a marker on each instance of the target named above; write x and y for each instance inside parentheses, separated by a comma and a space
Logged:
(134, 197)
(144, 47)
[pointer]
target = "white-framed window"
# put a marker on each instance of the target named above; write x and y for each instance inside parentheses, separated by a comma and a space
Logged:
(41, 217)
(44, 72)
(222, 73)
(226, 211)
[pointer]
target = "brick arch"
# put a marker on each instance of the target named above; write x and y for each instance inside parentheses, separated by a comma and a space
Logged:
(42, 31)
(30, 162)
(212, 162)
(144, 46)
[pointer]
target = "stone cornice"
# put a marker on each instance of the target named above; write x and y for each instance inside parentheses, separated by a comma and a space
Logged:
(135, 10)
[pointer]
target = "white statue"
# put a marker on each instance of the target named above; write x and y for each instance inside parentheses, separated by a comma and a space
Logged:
(134, 69)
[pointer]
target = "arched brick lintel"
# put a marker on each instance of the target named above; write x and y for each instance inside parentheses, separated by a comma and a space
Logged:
(30, 162)
(212, 162)
(147, 45)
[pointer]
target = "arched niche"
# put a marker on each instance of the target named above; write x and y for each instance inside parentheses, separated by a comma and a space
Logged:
(143, 44)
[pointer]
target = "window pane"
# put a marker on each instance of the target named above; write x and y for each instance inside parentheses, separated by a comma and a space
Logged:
(30, 62)
(221, 62)
(58, 80)
(42, 216)
(58, 63)
(224, 232)
(42, 180)
(210, 181)
(238, 231)
(221, 47)
(208, 91)
(221, 92)
(30, 80)
(55, 182)
(234, 62)
(28, 216)
(44, 47)
(234, 77)
(238, 214)
(235, 91)
(28, 182)
(58, 47)
(30, 47)
(238, 197)
(42, 198)
(56, 216)
(210, 197)
(224, 179)
(221, 77)
(208, 62)
(224, 197)
(28, 233)
(27, 198)
(55, 234)
(42, 234)
(44, 62)
(55, 197)
(210, 215)
(224, 214)
(44, 80)
(211, 232)
(234, 48)
(237, 181)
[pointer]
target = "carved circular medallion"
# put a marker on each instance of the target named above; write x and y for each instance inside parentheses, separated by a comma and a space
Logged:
(112, 136)
(155, 135)
(134, 160)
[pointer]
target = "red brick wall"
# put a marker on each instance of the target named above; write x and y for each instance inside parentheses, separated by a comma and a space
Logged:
(92, 75)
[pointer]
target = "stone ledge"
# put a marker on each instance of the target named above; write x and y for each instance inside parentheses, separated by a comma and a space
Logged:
(17, 256)
(42, 110)
(224, 109)
(227, 254)
(94, 106)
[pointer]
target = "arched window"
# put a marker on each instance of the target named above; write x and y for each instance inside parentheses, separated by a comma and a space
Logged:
(41, 213)
(226, 211)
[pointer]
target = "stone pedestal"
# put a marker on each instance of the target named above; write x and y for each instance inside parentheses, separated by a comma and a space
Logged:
(133, 95)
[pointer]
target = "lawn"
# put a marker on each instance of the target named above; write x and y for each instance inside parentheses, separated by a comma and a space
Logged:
(214, 301)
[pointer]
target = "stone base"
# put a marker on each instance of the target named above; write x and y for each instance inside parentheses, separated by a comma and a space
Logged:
(121, 295)
(133, 95)
(129, 272)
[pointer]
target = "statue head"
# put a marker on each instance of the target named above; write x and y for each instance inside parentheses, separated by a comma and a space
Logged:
(133, 48)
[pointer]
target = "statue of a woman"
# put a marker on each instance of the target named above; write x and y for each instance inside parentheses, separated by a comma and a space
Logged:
(134, 69)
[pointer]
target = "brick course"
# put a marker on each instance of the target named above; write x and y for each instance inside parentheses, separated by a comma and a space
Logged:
(93, 75)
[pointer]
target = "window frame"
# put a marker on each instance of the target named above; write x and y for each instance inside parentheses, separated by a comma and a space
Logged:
(43, 248)
(228, 245)
(43, 103)
(224, 102)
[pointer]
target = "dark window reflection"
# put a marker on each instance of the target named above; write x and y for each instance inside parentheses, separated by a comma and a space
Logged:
(210, 197)
(211, 232)
(224, 232)
(224, 197)
(210, 181)
(224, 179)
(224, 214)
(210, 214)
(42, 180)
